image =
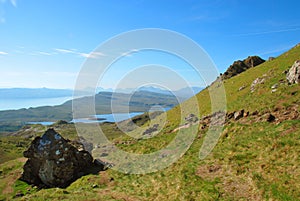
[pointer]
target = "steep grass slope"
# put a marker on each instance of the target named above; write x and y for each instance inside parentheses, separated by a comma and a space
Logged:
(254, 159)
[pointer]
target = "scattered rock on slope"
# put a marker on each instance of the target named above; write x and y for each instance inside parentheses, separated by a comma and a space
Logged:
(259, 80)
(293, 75)
(54, 162)
(240, 66)
(239, 114)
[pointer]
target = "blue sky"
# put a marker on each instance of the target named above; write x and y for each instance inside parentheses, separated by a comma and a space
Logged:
(44, 43)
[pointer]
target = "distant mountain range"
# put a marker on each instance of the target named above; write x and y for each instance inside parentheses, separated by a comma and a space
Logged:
(184, 93)
(21, 93)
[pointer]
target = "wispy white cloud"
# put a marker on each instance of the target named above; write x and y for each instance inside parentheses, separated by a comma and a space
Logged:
(65, 50)
(14, 2)
(92, 55)
(45, 53)
(3, 53)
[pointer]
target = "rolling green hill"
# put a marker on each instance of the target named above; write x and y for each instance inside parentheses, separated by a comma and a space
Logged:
(256, 157)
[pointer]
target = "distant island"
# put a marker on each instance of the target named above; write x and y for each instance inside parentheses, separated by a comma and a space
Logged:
(140, 101)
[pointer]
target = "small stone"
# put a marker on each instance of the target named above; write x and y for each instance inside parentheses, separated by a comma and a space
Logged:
(270, 118)
(271, 58)
(275, 86)
(246, 114)
(57, 152)
(61, 159)
(19, 194)
(242, 87)
(103, 154)
(230, 115)
(238, 114)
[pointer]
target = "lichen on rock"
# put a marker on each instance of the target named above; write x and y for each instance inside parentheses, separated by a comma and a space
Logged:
(293, 75)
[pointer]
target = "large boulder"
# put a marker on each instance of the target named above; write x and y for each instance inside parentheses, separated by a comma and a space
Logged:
(293, 75)
(54, 161)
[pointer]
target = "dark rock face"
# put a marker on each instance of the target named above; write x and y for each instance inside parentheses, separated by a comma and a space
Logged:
(293, 75)
(240, 66)
(54, 162)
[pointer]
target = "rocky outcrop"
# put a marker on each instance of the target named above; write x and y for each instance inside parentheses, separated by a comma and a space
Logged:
(242, 116)
(293, 75)
(240, 66)
(54, 161)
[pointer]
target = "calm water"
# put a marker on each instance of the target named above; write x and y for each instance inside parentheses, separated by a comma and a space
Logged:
(13, 104)
(117, 117)
(8, 104)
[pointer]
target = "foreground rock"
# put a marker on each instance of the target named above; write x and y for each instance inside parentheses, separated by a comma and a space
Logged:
(293, 75)
(55, 162)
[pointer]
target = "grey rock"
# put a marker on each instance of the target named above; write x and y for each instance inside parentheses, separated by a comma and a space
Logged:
(151, 130)
(271, 58)
(238, 114)
(293, 75)
(275, 86)
(259, 80)
(54, 161)
(242, 87)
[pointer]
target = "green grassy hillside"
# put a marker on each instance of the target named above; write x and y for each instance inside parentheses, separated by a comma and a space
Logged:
(255, 159)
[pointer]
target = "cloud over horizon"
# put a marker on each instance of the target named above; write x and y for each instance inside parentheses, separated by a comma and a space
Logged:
(3, 53)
